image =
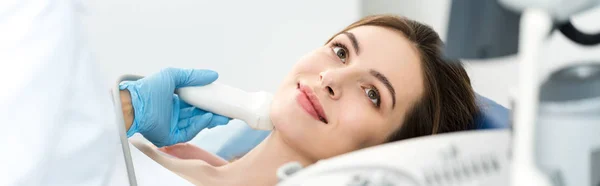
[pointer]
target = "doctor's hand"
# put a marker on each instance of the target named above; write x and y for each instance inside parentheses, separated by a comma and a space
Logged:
(159, 115)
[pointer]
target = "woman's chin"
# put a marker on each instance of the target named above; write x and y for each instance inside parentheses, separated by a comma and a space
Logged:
(282, 123)
(287, 124)
(287, 116)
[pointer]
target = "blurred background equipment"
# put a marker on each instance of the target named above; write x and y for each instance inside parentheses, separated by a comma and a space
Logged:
(557, 113)
(481, 30)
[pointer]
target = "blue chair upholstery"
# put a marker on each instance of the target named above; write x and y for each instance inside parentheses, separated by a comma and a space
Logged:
(236, 138)
(493, 115)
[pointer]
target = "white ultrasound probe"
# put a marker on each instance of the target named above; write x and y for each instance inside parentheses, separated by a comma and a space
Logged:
(250, 107)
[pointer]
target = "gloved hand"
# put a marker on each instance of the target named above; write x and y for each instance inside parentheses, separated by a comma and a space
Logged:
(160, 116)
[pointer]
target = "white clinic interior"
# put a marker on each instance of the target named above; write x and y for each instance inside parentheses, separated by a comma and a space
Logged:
(60, 126)
(253, 45)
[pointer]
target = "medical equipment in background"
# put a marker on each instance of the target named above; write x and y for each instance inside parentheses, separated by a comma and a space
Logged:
(556, 122)
(250, 107)
(567, 135)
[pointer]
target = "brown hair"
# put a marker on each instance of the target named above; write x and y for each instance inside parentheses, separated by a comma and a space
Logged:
(448, 102)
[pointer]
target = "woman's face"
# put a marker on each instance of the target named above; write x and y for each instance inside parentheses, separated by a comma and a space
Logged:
(349, 94)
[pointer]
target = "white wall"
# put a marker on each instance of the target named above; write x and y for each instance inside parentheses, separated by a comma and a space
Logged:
(252, 44)
(431, 12)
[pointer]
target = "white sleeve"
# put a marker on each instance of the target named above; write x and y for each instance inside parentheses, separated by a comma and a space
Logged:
(57, 125)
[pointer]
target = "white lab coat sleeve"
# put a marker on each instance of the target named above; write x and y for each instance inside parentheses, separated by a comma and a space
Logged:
(57, 124)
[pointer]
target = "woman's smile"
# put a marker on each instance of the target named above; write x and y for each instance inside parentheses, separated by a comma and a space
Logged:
(309, 101)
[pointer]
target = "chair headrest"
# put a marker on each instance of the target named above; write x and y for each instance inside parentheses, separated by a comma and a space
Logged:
(492, 115)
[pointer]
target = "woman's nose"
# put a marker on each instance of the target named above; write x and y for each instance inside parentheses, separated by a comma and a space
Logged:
(330, 85)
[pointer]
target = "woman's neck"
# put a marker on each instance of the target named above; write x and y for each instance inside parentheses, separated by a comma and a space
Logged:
(260, 165)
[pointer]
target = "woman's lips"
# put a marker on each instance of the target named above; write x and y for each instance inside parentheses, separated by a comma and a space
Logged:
(310, 103)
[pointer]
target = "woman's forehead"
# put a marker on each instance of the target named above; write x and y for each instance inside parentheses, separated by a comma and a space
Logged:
(379, 40)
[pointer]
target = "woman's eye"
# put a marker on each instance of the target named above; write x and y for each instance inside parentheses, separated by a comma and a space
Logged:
(373, 95)
(341, 53)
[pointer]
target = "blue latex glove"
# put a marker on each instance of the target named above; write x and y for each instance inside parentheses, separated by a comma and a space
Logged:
(160, 116)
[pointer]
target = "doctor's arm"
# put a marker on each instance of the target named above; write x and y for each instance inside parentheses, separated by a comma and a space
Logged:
(127, 108)
(56, 115)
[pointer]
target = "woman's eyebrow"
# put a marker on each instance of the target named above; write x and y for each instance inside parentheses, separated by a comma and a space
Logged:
(354, 41)
(387, 84)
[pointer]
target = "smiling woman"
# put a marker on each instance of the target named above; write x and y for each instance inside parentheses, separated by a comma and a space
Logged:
(379, 80)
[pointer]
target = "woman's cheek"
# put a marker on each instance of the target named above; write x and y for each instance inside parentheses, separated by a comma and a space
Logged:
(312, 62)
(307, 65)
(352, 118)
(355, 129)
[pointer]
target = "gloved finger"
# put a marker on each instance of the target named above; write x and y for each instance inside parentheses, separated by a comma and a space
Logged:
(195, 125)
(192, 77)
(186, 122)
(182, 104)
(218, 120)
(189, 112)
